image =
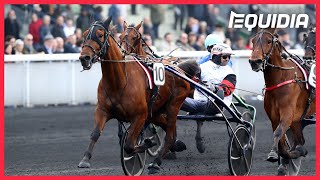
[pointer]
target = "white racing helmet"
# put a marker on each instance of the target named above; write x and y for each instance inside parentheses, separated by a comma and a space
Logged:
(221, 48)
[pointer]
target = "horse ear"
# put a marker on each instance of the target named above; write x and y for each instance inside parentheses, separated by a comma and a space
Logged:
(139, 25)
(125, 25)
(107, 22)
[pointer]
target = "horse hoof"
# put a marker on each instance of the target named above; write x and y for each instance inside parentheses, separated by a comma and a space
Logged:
(170, 156)
(200, 145)
(273, 157)
(282, 170)
(153, 168)
(84, 164)
(178, 146)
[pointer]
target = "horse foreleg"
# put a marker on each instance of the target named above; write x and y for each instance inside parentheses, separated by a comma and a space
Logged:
(199, 139)
(100, 118)
(277, 135)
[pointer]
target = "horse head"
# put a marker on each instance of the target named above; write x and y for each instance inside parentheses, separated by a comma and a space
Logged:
(264, 42)
(95, 45)
(310, 44)
(130, 38)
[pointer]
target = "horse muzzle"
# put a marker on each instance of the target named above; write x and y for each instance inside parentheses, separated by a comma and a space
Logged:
(256, 64)
(86, 61)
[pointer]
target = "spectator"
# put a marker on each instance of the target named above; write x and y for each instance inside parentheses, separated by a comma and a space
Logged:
(168, 45)
(60, 46)
(157, 13)
(300, 43)
(12, 41)
(71, 45)
(148, 40)
(199, 45)
(182, 42)
(284, 38)
(83, 21)
(97, 13)
(57, 29)
(239, 44)
(11, 25)
(114, 11)
(69, 28)
(192, 25)
(45, 29)
(119, 24)
(8, 48)
(78, 34)
(219, 31)
(68, 12)
(147, 27)
(48, 45)
(28, 45)
(249, 45)
(192, 39)
(19, 46)
(34, 29)
(211, 17)
(179, 15)
(203, 28)
(133, 9)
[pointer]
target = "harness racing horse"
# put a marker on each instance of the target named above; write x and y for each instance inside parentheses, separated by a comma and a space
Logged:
(123, 92)
(131, 40)
(287, 100)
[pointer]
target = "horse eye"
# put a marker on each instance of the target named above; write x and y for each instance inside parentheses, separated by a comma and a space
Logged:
(269, 41)
(100, 35)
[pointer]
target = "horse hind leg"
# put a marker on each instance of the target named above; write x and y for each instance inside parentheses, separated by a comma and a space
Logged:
(199, 139)
(298, 149)
(100, 119)
(134, 132)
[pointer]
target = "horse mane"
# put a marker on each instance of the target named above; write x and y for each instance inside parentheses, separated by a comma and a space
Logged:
(190, 67)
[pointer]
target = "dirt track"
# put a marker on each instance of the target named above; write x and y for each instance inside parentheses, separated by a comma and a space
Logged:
(52, 140)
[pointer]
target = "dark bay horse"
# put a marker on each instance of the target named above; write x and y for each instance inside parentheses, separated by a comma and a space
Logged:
(131, 40)
(286, 95)
(123, 92)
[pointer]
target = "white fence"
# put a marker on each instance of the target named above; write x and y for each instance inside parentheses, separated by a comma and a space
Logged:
(56, 79)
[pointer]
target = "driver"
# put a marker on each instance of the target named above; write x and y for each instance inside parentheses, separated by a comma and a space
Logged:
(219, 78)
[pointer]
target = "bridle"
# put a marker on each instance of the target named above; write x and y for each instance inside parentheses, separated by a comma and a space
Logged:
(92, 36)
(125, 39)
(266, 56)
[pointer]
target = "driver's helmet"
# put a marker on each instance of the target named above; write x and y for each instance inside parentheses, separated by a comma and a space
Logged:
(212, 39)
(221, 48)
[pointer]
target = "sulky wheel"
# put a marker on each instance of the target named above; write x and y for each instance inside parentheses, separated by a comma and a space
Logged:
(289, 167)
(240, 152)
(156, 134)
(133, 164)
(248, 117)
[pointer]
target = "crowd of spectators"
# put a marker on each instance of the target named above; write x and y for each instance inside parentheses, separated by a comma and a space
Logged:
(58, 28)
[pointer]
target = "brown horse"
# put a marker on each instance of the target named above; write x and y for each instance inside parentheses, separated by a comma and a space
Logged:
(123, 93)
(286, 95)
(131, 40)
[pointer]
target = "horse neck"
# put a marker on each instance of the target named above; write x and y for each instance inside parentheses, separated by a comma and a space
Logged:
(274, 76)
(113, 73)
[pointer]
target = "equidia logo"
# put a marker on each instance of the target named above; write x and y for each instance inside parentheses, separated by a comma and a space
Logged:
(272, 20)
